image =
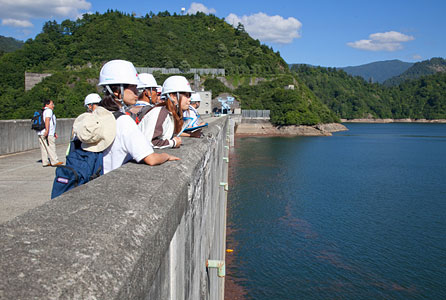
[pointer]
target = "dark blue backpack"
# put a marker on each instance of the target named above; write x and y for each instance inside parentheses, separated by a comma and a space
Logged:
(37, 122)
(81, 166)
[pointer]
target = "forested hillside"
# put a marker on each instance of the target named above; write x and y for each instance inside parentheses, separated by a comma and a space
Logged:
(74, 51)
(349, 97)
(379, 71)
(8, 44)
(288, 106)
(352, 97)
(154, 40)
(423, 68)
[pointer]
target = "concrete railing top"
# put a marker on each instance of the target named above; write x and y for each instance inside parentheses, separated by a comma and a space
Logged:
(104, 239)
(28, 121)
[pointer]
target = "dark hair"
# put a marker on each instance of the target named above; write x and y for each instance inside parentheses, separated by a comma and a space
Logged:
(46, 102)
(108, 101)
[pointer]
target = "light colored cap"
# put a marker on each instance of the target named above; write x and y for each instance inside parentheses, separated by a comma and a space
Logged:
(92, 99)
(147, 81)
(195, 97)
(118, 72)
(175, 84)
(96, 130)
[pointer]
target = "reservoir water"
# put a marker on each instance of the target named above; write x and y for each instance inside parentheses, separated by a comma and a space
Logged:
(359, 215)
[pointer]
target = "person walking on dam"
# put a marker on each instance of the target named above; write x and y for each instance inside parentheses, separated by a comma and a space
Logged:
(48, 136)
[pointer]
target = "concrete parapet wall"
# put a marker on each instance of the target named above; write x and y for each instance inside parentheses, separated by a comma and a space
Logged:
(138, 232)
(17, 135)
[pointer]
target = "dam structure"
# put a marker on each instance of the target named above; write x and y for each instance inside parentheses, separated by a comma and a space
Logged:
(139, 232)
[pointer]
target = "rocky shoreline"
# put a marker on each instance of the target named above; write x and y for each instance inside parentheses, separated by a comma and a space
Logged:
(267, 129)
(392, 121)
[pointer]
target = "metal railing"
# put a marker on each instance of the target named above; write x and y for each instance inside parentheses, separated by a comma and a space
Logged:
(256, 114)
(178, 71)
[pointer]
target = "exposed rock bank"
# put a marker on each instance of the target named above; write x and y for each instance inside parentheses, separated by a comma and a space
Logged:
(267, 129)
(366, 120)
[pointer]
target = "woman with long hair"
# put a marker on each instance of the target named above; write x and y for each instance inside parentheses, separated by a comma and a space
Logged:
(163, 124)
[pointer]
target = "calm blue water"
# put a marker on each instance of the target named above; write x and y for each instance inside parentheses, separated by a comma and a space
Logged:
(360, 215)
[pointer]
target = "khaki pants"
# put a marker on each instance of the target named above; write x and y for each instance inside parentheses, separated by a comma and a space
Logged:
(48, 150)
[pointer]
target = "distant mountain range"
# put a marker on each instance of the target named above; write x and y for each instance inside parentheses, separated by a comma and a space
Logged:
(423, 68)
(393, 72)
(8, 44)
(379, 71)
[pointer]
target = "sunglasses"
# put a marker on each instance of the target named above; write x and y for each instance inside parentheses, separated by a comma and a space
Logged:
(186, 94)
(132, 88)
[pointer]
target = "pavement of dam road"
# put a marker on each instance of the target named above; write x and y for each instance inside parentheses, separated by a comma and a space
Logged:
(24, 183)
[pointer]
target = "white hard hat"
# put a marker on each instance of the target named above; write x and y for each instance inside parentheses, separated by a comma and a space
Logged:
(175, 84)
(118, 72)
(147, 81)
(92, 99)
(195, 97)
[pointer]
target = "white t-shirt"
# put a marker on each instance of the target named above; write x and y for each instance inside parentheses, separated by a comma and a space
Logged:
(129, 144)
(48, 113)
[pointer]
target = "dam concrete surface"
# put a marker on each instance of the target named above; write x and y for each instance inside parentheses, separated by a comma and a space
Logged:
(24, 183)
(139, 232)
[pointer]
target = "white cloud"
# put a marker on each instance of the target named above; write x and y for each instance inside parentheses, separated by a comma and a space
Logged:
(382, 41)
(266, 28)
(26, 10)
(17, 23)
(199, 7)
(417, 57)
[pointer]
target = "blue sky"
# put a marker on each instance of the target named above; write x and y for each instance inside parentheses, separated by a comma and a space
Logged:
(333, 33)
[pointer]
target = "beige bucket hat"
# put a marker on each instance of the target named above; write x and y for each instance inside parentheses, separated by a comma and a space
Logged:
(95, 130)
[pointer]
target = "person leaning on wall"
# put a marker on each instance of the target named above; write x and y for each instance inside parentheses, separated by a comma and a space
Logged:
(163, 125)
(119, 80)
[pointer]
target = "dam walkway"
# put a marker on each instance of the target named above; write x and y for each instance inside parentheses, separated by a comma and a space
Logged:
(138, 232)
(24, 183)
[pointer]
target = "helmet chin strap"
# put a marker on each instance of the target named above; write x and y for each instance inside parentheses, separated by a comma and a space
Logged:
(180, 115)
(150, 96)
(123, 105)
(178, 106)
(173, 102)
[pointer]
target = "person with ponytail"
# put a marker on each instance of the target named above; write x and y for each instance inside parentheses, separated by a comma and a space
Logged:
(120, 79)
(163, 124)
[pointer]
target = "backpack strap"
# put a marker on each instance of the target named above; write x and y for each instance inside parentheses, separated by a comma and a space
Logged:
(137, 112)
(117, 114)
(143, 111)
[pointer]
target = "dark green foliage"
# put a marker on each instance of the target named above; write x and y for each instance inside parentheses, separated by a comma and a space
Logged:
(352, 97)
(426, 67)
(424, 98)
(216, 86)
(66, 88)
(184, 41)
(8, 44)
(349, 97)
(163, 40)
(288, 107)
(74, 51)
